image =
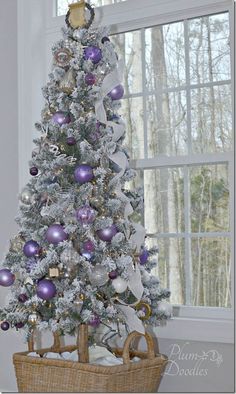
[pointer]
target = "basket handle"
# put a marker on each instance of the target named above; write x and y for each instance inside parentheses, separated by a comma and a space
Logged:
(56, 342)
(129, 339)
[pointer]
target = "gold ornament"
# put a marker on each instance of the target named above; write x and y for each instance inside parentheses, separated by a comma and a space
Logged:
(68, 82)
(33, 318)
(54, 272)
(75, 17)
(144, 307)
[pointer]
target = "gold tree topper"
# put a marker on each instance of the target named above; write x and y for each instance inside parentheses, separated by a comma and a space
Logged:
(77, 14)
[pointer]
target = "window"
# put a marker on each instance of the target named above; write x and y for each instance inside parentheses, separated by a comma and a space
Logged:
(177, 107)
(62, 5)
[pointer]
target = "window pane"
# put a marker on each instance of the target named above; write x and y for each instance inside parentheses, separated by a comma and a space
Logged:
(212, 119)
(209, 198)
(165, 56)
(209, 48)
(170, 268)
(211, 272)
(164, 200)
(132, 112)
(128, 48)
(62, 5)
(134, 184)
(167, 129)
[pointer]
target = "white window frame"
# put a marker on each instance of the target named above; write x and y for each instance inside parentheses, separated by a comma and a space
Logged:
(38, 28)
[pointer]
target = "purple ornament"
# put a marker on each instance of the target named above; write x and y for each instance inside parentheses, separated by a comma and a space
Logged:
(56, 234)
(95, 321)
(143, 257)
(71, 141)
(113, 275)
(31, 248)
(90, 79)
(105, 39)
(85, 215)
(31, 264)
(93, 53)
(83, 173)
(5, 326)
(116, 93)
(19, 325)
(88, 246)
(22, 298)
(108, 233)
(7, 278)
(61, 118)
(34, 171)
(46, 289)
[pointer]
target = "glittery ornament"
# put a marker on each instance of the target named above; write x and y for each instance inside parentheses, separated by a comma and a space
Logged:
(93, 53)
(68, 82)
(90, 79)
(62, 57)
(85, 215)
(69, 256)
(98, 276)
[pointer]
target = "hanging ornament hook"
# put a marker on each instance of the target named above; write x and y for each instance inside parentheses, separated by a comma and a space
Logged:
(75, 17)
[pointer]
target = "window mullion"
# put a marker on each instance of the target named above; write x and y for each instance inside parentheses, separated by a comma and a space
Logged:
(187, 240)
(145, 93)
(188, 90)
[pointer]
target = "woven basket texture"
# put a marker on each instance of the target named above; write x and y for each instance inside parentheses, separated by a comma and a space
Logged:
(50, 375)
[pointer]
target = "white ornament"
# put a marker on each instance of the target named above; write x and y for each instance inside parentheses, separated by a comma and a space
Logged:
(165, 307)
(119, 284)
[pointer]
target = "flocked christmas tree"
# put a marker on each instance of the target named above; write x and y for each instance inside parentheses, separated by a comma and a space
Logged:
(79, 257)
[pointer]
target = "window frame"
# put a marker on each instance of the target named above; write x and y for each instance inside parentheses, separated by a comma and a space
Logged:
(189, 322)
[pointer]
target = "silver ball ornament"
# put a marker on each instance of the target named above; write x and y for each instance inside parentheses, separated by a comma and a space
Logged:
(98, 276)
(27, 197)
(69, 257)
(119, 284)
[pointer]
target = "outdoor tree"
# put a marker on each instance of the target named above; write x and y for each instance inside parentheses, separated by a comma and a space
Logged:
(79, 257)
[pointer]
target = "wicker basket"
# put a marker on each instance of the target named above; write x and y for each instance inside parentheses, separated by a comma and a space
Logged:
(51, 375)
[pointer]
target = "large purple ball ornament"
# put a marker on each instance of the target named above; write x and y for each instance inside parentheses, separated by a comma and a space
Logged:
(5, 326)
(108, 233)
(85, 215)
(93, 53)
(83, 173)
(46, 289)
(116, 93)
(90, 79)
(31, 248)
(56, 234)
(22, 298)
(95, 321)
(7, 278)
(143, 257)
(61, 118)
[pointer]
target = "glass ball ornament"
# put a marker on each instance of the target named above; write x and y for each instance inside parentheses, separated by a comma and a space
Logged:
(71, 141)
(165, 307)
(61, 118)
(56, 234)
(98, 276)
(33, 318)
(83, 174)
(31, 248)
(119, 284)
(94, 321)
(46, 289)
(34, 171)
(7, 278)
(113, 275)
(5, 325)
(93, 53)
(90, 79)
(22, 298)
(143, 257)
(116, 93)
(19, 325)
(69, 256)
(85, 215)
(27, 197)
(107, 233)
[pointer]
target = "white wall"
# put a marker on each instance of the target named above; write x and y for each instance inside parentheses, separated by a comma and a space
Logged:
(9, 341)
